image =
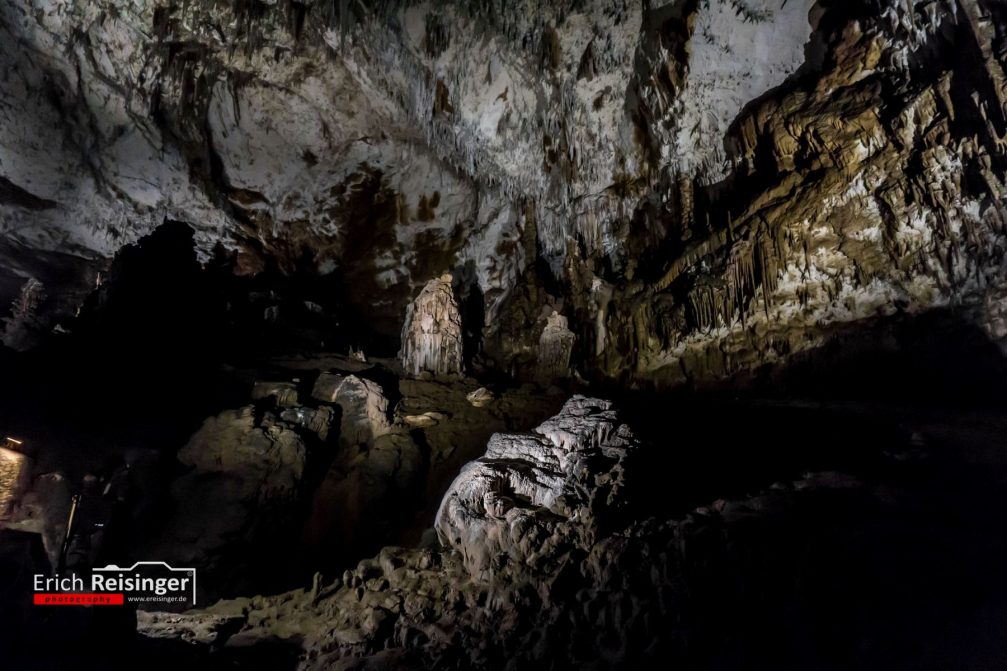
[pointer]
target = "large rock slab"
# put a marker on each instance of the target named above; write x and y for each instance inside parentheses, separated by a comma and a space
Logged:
(235, 506)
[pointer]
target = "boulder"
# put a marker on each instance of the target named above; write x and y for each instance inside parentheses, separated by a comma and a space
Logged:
(326, 386)
(363, 402)
(285, 393)
(536, 496)
(481, 397)
(268, 457)
(242, 491)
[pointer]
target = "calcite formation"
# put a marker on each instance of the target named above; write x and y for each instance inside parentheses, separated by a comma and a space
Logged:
(705, 187)
(555, 346)
(534, 497)
(432, 332)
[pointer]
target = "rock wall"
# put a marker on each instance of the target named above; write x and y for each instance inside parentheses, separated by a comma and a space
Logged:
(705, 187)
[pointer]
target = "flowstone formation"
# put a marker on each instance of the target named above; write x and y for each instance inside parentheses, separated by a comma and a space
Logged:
(534, 497)
(432, 332)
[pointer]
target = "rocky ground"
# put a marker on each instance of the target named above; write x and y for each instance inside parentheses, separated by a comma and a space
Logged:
(546, 559)
(710, 533)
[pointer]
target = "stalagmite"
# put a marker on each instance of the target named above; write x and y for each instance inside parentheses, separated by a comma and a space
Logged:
(432, 333)
(554, 348)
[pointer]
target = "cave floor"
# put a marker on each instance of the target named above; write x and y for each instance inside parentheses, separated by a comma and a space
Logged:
(906, 574)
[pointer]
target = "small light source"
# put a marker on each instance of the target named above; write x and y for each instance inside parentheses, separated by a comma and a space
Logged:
(14, 440)
(14, 475)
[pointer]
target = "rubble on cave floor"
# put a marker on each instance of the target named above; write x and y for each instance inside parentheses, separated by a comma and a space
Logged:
(539, 565)
(322, 464)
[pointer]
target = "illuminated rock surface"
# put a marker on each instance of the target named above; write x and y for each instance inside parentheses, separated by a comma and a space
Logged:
(432, 331)
(535, 496)
(705, 187)
(291, 284)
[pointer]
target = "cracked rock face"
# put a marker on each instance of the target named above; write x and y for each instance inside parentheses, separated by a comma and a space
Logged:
(701, 187)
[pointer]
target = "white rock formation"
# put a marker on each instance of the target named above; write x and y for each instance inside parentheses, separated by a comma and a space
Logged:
(535, 496)
(432, 333)
(554, 349)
